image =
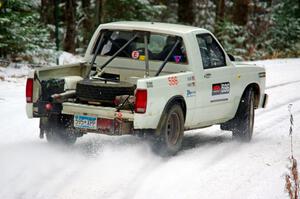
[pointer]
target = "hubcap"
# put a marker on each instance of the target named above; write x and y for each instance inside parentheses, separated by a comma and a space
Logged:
(173, 128)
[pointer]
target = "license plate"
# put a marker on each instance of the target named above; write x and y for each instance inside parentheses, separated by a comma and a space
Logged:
(85, 122)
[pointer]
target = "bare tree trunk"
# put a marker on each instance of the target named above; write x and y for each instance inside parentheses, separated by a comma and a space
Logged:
(100, 14)
(70, 20)
(87, 22)
(47, 11)
(240, 12)
(186, 11)
(220, 10)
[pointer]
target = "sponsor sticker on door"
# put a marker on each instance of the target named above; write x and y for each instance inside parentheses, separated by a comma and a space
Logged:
(220, 92)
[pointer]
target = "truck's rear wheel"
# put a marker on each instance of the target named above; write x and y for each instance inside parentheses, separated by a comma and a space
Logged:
(170, 132)
(58, 131)
(60, 136)
(244, 119)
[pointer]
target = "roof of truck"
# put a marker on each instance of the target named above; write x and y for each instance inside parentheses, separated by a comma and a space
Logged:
(153, 26)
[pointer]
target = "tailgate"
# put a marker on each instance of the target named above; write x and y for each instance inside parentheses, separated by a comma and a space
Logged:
(98, 111)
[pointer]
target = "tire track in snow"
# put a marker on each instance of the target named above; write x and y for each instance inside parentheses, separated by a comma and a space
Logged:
(282, 84)
(282, 103)
(277, 121)
(273, 117)
(278, 106)
(139, 179)
(46, 168)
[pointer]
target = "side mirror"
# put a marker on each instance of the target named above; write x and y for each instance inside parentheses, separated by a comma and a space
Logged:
(231, 57)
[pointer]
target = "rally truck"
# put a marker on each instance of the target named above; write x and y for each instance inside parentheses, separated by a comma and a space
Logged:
(150, 79)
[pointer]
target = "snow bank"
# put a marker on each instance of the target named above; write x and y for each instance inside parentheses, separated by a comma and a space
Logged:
(68, 58)
(14, 71)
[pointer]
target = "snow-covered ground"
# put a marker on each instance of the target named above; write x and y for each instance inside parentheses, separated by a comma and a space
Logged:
(210, 164)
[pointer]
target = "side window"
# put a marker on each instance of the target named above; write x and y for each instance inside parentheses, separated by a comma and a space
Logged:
(211, 53)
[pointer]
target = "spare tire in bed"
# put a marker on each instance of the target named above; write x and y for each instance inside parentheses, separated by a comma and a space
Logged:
(102, 91)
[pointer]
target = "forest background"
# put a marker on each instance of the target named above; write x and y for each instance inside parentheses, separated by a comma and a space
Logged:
(249, 29)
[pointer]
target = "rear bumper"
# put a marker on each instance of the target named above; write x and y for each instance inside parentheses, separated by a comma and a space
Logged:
(100, 112)
(265, 100)
(109, 120)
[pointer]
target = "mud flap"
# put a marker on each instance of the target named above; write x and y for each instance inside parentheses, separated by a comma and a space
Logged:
(265, 101)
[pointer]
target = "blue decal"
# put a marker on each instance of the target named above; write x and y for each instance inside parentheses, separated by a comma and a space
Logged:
(177, 58)
(190, 93)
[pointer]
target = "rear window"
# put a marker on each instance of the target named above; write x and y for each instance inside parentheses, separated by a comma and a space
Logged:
(159, 46)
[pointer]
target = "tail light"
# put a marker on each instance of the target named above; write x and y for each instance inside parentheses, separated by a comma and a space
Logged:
(29, 90)
(48, 107)
(140, 104)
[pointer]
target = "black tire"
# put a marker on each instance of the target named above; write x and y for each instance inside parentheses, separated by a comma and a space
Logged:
(102, 91)
(59, 131)
(60, 136)
(244, 118)
(170, 133)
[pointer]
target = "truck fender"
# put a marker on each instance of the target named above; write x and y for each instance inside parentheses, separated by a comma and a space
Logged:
(229, 124)
(173, 100)
(257, 94)
(256, 90)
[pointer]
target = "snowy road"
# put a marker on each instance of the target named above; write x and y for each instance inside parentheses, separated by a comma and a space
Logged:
(210, 165)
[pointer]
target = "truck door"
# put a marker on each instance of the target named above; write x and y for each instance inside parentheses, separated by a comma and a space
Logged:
(215, 86)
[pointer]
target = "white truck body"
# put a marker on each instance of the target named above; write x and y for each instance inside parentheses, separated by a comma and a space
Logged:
(210, 96)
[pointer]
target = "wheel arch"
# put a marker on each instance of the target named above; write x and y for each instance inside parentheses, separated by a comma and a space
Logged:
(230, 123)
(178, 99)
(257, 93)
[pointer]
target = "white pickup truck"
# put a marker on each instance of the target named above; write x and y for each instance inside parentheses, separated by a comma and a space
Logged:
(145, 78)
